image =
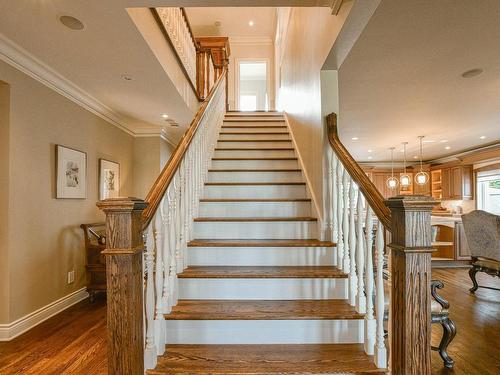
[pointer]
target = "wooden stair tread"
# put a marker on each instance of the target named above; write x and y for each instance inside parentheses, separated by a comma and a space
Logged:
(240, 119)
(260, 243)
(251, 183)
(271, 158)
(252, 127)
(298, 359)
(231, 200)
(253, 219)
(252, 133)
(254, 140)
(252, 149)
(263, 310)
(255, 170)
(261, 272)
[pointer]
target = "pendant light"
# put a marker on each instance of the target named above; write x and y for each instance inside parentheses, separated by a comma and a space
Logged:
(392, 182)
(404, 179)
(421, 177)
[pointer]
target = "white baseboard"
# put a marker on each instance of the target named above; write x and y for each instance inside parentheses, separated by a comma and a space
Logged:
(12, 330)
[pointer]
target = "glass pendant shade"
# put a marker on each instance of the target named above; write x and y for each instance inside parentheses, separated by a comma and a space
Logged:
(421, 178)
(392, 182)
(405, 180)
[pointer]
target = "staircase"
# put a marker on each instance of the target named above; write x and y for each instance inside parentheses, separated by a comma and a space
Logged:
(261, 294)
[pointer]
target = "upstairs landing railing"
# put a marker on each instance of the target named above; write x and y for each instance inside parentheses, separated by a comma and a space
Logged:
(360, 222)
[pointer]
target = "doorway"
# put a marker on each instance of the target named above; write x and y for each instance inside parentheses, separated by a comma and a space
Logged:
(252, 84)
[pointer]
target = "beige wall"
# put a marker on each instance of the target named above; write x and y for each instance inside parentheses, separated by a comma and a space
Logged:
(244, 50)
(44, 238)
(4, 200)
(308, 39)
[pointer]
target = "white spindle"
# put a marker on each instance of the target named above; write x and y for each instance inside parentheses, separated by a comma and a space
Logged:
(370, 327)
(360, 259)
(380, 349)
(150, 352)
(159, 276)
(346, 264)
(340, 207)
(353, 277)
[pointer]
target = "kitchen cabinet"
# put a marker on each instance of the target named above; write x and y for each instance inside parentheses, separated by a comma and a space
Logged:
(454, 182)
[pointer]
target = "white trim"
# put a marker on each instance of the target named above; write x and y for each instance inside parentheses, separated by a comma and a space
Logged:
(21, 325)
(262, 40)
(22, 60)
(237, 61)
(308, 181)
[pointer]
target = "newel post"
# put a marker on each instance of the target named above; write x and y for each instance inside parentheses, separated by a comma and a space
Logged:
(124, 252)
(410, 314)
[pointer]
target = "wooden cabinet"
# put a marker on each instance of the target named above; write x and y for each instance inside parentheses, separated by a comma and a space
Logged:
(455, 182)
(462, 251)
(379, 179)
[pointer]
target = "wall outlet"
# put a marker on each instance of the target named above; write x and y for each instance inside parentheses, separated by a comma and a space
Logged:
(71, 277)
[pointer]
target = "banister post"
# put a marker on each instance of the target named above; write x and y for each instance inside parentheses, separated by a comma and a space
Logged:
(124, 279)
(410, 312)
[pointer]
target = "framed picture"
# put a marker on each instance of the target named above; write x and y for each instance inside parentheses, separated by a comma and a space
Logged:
(71, 173)
(109, 179)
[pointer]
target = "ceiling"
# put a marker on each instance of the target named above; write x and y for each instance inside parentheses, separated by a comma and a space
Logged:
(233, 22)
(402, 78)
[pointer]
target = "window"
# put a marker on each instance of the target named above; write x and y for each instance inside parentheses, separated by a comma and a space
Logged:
(488, 191)
(252, 81)
(248, 102)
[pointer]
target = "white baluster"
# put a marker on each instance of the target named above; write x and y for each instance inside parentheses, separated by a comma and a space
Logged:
(150, 348)
(353, 277)
(166, 252)
(172, 238)
(380, 350)
(179, 259)
(159, 275)
(340, 207)
(360, 258)
(346, 266)
(370, 324)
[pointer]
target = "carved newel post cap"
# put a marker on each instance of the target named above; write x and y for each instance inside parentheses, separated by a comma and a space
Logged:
(122, 204)
(411, 203)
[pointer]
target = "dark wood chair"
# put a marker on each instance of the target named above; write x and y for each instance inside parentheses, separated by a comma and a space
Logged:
(95, 243)
(482, 230)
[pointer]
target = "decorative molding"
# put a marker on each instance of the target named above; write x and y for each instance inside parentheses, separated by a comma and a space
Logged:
(12, 330)
(262, 40)
(22, 60)
(336, 4)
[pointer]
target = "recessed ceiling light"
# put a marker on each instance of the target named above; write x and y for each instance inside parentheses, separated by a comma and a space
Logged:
(126, 77)
(370, 150)
(250, 23)
(482, 137)
(472, 73)
(354, 138)
(370, 157)
(164, 115)
(71, 22)
(447, 147)
(415, 157)
(443, 141)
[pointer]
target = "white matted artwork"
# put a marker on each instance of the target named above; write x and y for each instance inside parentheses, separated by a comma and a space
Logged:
(109, 179)
(71, 173)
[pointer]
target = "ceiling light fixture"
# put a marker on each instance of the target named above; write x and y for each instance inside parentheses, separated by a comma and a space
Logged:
(354, 138)
(404, 179)
(447, 148)
(71, 22)
(370, 157)
(482, 137)
(392, 182)
(250, 23)
(421, 177)
(370, 150)
(472, 73)
(164, 116)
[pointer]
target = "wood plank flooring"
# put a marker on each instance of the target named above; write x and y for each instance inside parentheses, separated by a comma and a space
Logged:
(74, 342)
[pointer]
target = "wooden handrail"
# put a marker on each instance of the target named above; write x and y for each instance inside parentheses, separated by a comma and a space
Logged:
(163, 181)
(369, 190)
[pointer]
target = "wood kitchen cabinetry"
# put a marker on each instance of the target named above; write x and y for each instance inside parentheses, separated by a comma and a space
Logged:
(450, 242)
(453, 182)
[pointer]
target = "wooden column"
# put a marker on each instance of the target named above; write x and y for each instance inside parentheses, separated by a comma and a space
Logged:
(410, 319)
(124, 251)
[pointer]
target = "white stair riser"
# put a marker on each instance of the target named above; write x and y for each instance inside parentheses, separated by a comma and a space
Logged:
(261, 256)
(238, 144)
(251, 191)
(254, 164)
(255, 176)
(239, 137)
(263, 289)
(254, 209)
(254, 154)
(258, 122)
(271, 128)
(264, 331)
(255, 230)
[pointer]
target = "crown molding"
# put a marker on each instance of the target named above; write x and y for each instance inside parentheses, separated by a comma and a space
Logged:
(22, 60)
(262, 40)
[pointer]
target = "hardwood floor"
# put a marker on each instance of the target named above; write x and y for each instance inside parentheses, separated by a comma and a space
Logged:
(74, 342)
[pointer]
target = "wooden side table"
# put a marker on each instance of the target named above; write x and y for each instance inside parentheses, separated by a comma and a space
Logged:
(95, 243)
